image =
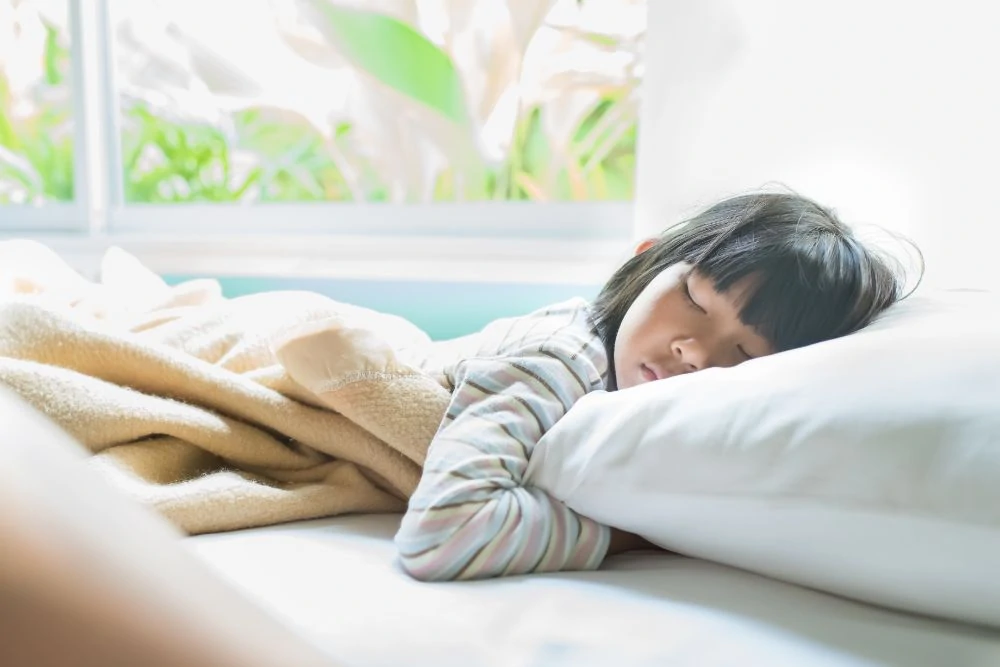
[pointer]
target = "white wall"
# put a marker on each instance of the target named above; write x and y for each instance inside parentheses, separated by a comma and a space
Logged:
(886, 110)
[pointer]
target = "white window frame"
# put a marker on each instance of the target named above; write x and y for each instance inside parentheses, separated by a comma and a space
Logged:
(505, 240)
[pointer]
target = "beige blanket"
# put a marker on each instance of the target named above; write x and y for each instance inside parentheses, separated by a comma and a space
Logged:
(219, 413)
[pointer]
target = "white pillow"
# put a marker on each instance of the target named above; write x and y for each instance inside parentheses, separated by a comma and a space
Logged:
(867, 466)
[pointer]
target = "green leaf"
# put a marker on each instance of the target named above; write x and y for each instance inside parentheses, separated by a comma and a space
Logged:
(276, 134)
(253, 177)
(535, 152)
(8, 137)
(18, 168)
(397, 55)
(53, 75)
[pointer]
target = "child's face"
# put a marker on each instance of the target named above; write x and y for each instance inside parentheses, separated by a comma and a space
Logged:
(680, 324)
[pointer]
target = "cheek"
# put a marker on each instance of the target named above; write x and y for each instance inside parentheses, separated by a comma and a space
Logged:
(635, 318)
(646, 324)
(628, 344)
(623, 340)
(648, 321)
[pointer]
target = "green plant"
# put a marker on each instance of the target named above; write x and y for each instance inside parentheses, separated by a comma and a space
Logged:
(36, 152)
(168, 162)
(298, 162)
(403, 66)
(427, 127)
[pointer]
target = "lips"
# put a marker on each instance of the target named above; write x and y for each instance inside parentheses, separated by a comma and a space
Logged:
(652, 373)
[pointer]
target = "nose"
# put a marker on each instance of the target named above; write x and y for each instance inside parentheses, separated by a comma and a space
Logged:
(692, 355)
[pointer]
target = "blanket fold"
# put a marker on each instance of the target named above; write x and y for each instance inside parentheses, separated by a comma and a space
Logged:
(219, 413)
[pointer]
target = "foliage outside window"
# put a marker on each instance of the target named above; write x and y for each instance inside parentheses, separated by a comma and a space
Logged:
(404, 101)
(36, 105)
(380, 100)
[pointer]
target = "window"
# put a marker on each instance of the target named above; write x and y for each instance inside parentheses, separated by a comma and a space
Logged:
(37, 129)
(287, 114)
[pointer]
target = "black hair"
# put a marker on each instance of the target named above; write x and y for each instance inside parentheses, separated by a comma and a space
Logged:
(811, 278)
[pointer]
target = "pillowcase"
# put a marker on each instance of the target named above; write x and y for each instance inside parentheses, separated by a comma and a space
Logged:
(867, 466)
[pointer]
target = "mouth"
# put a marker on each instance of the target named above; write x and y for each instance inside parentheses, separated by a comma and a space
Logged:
(648, 374)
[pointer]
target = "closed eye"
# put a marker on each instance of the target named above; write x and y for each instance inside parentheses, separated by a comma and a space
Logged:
(746, 355)
(685, 287)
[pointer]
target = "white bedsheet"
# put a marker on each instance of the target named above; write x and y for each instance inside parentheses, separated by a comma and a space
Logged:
(337, 583)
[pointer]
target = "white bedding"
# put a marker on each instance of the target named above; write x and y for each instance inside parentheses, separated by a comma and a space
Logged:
(337, 583)
(846, 466)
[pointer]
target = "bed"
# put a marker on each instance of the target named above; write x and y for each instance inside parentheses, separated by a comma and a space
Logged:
(72, 545)
(107, 577)
(335, 581)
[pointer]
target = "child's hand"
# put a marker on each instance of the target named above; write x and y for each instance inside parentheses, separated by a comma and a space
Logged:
(622, 542)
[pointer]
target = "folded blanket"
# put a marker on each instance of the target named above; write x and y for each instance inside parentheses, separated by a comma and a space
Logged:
(219, 413)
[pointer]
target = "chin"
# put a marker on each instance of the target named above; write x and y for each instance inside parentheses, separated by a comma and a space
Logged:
(627, 382)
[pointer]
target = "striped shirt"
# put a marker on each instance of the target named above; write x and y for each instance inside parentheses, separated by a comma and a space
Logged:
(472, 516)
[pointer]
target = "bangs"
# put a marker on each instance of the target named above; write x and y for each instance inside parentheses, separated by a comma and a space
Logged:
(793, 294)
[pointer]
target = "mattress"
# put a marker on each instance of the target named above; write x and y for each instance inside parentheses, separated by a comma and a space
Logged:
(337, 583)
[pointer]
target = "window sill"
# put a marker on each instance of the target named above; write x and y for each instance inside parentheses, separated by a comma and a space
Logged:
(542, 261)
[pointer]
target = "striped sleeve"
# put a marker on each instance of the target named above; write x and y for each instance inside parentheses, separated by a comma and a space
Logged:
(472, 516)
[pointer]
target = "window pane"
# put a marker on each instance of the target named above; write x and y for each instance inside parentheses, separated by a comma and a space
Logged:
(36, 102)
(378, 100)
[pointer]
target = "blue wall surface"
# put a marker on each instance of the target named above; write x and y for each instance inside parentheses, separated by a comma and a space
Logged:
(442, 309)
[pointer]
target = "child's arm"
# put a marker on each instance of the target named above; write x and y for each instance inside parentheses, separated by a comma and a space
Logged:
(471, 516)
(622, 542)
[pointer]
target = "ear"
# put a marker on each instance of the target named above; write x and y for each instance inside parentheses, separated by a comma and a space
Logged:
(644, 246)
